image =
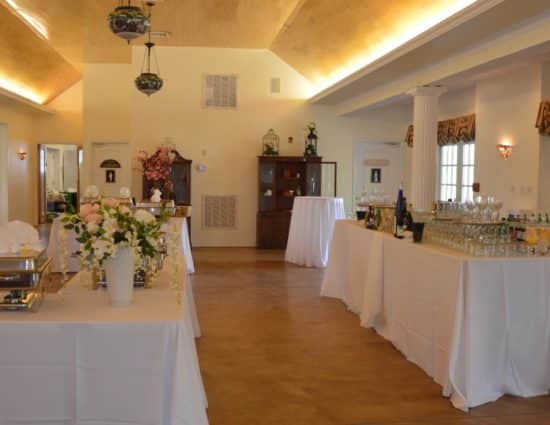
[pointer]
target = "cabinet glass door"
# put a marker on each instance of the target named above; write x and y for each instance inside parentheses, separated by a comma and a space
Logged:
(329, 177)
(267, 186)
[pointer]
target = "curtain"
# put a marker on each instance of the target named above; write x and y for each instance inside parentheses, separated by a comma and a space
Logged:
(543, 118)
(453, 131)
(409, 136)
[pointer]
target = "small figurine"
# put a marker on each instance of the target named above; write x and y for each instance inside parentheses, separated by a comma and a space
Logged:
(157, 196)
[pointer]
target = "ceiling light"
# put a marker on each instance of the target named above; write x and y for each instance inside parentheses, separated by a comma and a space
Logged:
(149, 82)
(128, 22)
(411, 30)
(21, 91)
(30, 19)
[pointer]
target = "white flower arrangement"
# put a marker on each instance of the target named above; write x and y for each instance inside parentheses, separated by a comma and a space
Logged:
(103, 229)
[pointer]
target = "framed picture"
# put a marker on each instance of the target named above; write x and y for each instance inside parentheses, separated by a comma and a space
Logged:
(376, 175)
(110, 176)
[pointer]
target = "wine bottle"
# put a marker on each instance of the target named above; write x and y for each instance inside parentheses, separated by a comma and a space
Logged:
(399, 214)
(370, 218)
(378, 218)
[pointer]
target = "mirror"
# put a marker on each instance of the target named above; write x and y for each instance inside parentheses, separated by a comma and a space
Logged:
(59, 175)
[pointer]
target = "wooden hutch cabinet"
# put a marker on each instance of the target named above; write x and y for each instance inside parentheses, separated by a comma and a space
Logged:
(181, 182)
(281, 178)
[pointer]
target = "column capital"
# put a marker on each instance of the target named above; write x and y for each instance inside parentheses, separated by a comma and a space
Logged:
(434, 91)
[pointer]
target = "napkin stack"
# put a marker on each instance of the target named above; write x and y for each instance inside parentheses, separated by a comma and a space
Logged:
(17, 234)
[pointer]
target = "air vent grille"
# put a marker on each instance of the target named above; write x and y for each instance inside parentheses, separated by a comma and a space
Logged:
(220, 91)
(219, 212)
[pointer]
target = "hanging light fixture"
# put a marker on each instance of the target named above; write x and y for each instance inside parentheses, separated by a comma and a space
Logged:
(128, 22)
(149, 82)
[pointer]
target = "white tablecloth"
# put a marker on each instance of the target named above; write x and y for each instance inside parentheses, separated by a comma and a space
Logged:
(311, 227)
(73, 264)
(79, 361)
(479, 326)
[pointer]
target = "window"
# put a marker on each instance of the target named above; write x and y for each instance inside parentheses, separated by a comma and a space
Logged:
(456, 175)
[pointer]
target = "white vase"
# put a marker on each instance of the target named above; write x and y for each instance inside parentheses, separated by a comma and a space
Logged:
(119, 274)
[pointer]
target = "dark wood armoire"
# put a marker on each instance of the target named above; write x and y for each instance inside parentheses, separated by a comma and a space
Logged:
(281, 179)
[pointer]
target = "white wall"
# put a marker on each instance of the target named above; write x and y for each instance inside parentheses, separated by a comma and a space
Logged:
(506, 108)
(544, 151)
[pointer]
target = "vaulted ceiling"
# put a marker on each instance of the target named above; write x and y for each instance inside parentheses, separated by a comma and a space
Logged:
(322, 39)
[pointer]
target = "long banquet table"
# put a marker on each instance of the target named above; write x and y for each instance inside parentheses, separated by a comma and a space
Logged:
(79, 361)
(479, 326)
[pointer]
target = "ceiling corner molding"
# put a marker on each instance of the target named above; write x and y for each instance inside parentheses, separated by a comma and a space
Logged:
(288, 22)
(447, 25)
(20, 99)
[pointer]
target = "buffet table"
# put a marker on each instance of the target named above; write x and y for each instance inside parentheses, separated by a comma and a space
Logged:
(479, 326)
(80, 361)
(73, 264)
(311, 226)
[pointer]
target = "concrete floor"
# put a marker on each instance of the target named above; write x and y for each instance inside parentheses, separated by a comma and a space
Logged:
(274, 352)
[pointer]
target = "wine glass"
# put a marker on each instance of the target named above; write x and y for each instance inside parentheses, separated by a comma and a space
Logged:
(470, 208)
(481, 204)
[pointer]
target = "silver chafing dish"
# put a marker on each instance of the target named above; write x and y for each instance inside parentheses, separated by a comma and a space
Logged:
(23, 280)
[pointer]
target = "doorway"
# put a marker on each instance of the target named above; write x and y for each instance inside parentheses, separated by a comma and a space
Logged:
(377, 170)
(111, 168)
(59, 179)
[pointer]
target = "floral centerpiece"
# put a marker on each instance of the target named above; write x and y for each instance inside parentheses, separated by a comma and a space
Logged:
(157, 167)
(110, 231)
(103, 229)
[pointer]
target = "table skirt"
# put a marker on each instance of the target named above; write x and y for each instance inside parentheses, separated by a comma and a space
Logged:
(479, 326)
(80, 361)
(311, 228)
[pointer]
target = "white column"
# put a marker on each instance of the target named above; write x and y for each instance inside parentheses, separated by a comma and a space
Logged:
(424, 154)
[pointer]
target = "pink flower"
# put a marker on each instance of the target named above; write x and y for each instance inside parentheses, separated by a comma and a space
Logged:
(93, 218)
(110, 202)
(86, 209)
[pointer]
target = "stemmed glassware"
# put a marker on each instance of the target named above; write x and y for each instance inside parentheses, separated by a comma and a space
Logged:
(481, 205)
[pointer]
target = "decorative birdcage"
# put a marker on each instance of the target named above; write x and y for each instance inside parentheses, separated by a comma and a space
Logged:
(270, 143)
(310, 148)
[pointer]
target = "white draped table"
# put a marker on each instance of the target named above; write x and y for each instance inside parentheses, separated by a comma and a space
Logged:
(479, 326)
(79, 361)
(73, 264)
(311, 227)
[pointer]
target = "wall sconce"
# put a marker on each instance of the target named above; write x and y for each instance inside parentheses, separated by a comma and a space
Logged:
(505, 150)
(21, 154)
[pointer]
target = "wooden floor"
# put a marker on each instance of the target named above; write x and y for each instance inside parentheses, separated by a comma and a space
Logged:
(275, 353)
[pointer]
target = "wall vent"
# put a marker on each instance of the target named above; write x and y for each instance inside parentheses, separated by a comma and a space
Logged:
(220, 91)
(275, 85)
(219, 212)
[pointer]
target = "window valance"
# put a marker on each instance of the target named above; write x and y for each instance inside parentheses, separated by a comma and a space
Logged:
(543, 118)
(451, 132)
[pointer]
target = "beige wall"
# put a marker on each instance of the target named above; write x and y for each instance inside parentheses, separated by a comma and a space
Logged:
(544, 153)
(227, 142)
(19, 122)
